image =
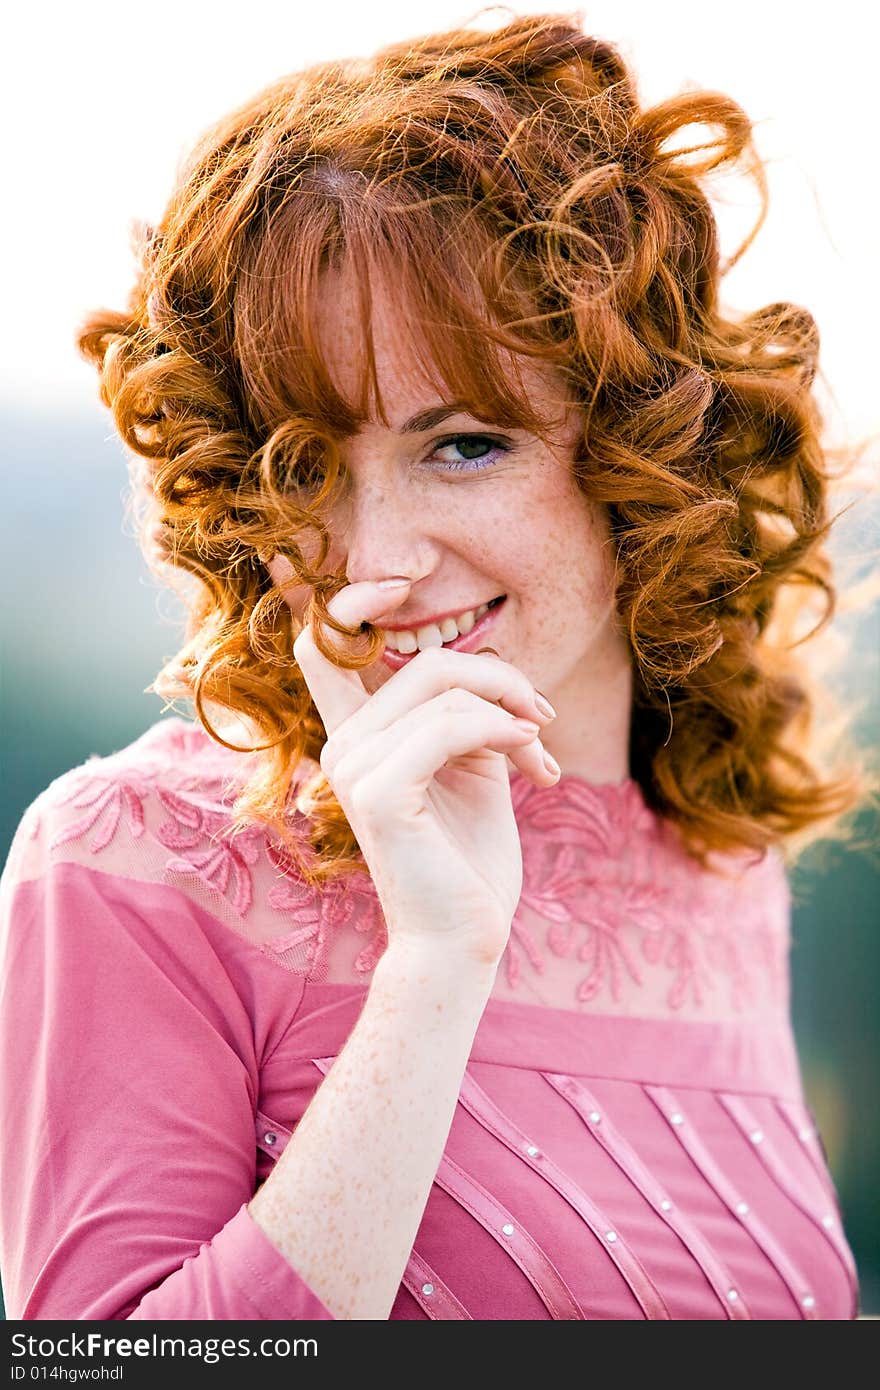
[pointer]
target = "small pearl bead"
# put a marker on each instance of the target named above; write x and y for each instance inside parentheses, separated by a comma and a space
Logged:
(428, 1288)
(677, 1119)
(732, 1295)
(270, 1138)
(666, 1205)
(756, 1136)
(805, 1134)
(595, 1116)
(508, 1229)
(532, 1151)
(611, 1236)
(809, 1301)
(742, 1208)
(828, 1222)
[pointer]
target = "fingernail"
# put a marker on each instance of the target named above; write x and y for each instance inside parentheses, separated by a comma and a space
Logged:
(552, 765)
(397, 582)
(544, 705)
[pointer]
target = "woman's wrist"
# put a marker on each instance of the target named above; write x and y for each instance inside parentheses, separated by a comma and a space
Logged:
(437, 970)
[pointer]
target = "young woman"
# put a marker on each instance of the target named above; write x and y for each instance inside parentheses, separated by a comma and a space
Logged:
(438, 969)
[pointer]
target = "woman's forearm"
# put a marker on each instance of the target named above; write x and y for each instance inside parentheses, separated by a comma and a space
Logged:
(344, 1201)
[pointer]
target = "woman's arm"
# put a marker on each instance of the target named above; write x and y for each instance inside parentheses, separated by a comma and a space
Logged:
(129, 1074)
(128, 1079)
(345, 1199)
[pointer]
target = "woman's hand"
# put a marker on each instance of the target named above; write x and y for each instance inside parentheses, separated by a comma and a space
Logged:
(419, 769)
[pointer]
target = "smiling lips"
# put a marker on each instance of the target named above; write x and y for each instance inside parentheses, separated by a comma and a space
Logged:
(434, 634)
(456, 633)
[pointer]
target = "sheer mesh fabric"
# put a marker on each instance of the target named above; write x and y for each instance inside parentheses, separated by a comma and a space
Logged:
(614, 917)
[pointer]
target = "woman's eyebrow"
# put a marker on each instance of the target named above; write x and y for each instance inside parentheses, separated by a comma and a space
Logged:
(428, 419)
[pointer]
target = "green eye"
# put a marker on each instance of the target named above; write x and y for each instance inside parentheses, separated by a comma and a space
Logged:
(475, 451)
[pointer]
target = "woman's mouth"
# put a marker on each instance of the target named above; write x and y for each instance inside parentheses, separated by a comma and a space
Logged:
(464, 642)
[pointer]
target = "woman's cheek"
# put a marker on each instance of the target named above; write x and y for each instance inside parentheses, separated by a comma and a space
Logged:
(283, 576)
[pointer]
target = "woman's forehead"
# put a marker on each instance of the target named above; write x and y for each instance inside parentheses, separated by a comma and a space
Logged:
(347, 336)
(353, 329)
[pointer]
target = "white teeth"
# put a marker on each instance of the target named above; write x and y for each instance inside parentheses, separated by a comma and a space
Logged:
(405, 641)
(434, 634)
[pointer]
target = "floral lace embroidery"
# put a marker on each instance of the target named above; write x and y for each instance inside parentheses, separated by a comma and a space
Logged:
(601, 863)
(225, 864)
(612, 889)
(105, 803)
(321, 916)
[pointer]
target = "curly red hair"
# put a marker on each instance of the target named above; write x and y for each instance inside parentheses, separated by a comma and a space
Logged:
(514, 194)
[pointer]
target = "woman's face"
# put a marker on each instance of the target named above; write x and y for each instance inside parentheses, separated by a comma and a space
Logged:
(470, 510)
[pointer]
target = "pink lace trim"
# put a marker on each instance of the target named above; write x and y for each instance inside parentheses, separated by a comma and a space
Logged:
(605, 883)
(597, 863)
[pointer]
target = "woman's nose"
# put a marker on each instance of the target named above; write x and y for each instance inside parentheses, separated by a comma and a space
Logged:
(384, 532)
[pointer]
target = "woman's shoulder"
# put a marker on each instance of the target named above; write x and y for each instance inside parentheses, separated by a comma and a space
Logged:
(106, 794)
(100, 812)
(157, 814)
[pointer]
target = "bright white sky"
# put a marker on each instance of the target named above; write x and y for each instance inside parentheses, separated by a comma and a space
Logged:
(104, 96)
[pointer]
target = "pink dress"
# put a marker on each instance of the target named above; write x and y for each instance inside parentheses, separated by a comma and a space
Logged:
(631, 1138)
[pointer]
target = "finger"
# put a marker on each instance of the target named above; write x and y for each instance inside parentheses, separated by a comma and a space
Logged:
(338, 693)
(438, 673)
(531, 758)
(390, 773)
(436, 722)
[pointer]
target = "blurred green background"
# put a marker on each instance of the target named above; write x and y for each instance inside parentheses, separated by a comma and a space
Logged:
(85, 627)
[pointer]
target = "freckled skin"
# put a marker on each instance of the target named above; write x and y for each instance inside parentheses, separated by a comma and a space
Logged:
(519, 527)
(345, 1199)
